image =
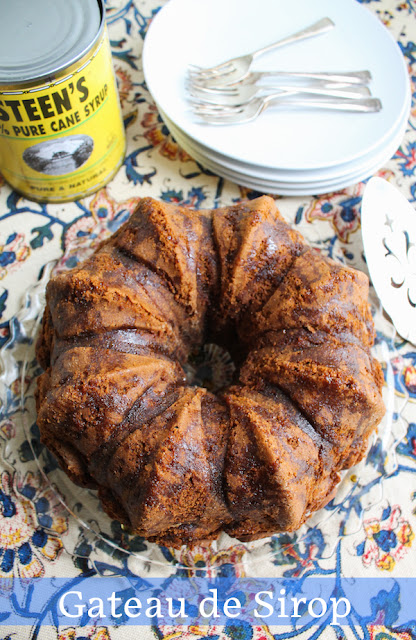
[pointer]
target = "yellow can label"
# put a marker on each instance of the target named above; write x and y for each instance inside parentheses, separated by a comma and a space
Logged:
(63, 140)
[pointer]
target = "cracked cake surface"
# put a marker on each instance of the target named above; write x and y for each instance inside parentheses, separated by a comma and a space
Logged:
(174, 462)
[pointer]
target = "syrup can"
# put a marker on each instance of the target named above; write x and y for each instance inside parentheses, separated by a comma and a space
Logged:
(61, 129)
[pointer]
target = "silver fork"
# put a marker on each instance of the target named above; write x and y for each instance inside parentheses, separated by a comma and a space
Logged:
(250, 111)
(237, 68)
(245, 93)
(222, 82)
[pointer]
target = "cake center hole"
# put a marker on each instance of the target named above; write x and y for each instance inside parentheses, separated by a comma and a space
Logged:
(211, 367)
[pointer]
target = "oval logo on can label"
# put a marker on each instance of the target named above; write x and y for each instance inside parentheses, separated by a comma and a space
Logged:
(58, 157)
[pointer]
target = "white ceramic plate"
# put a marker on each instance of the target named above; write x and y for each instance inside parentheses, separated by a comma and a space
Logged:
(366, 166)
(264, 186)
(207, 31)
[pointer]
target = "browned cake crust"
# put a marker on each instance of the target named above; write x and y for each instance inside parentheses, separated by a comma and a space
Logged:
(174, 462)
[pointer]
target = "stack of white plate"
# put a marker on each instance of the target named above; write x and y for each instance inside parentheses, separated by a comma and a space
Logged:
(286, 152)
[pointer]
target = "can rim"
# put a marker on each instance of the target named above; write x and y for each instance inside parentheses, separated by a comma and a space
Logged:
(56, 71)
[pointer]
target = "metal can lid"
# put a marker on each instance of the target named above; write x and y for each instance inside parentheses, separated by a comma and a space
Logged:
(39, 38)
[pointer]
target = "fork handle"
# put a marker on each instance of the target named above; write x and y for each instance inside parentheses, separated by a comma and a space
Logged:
(341, 104)
(322, 26)
(352, 77)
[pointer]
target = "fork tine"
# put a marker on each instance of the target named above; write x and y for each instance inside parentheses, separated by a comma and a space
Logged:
(216, 109)
(231, 117)
(199, 85)
(194, 66)
(216, 74)
(200, 88)
(211, 71)
(195, 89)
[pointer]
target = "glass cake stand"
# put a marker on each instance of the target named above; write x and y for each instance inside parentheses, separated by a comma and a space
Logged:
(359, 492)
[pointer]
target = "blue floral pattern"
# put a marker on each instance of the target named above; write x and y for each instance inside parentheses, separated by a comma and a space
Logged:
(33, 522)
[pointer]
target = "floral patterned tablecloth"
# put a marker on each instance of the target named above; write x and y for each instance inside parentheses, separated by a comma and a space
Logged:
(367, 530)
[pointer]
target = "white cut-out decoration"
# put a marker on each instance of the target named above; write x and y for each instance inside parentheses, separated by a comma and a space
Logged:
(388, 224)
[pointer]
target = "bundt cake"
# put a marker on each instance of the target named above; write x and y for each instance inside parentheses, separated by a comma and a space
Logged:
(175, 462)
